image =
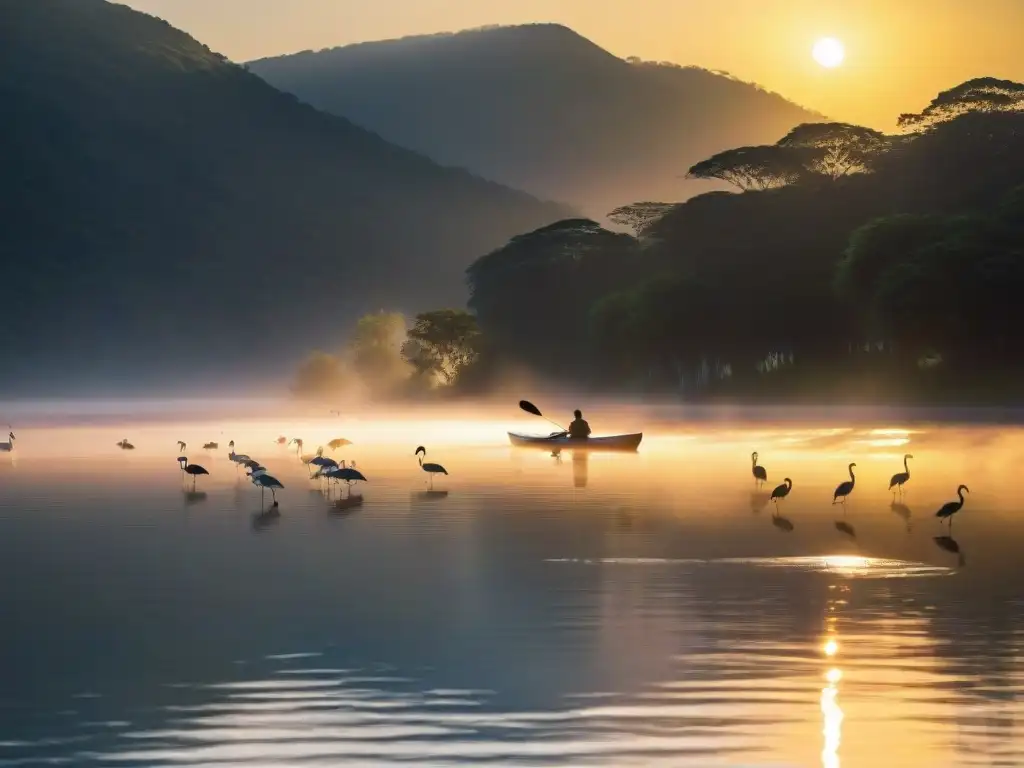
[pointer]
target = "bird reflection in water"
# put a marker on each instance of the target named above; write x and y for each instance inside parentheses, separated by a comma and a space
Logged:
(903, 511)
(758, 501)
(194, 497)
(263, 520)
(429, 495)
(782, 523)
(949, 544)
(844, 527)
(347, 504)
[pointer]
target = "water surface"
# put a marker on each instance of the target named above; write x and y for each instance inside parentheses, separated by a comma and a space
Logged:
(649, 609)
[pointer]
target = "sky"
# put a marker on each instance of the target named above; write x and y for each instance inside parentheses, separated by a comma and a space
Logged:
(900, 53)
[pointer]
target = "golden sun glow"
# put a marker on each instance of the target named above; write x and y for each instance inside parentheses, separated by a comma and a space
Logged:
(829, 52)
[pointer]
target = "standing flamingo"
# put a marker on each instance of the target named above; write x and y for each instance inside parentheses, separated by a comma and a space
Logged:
(181, 446)
(430, 469)
(265, 481)
(950, 508)
(760, 475)
(191, 469)
(901, 478)
(782, 491)
(845, 489)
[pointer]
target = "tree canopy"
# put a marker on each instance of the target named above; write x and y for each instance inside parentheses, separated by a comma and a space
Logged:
(842, 148)
(756, 168)
(983, 94)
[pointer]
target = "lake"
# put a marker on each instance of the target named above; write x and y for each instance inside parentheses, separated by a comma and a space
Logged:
(612, 610)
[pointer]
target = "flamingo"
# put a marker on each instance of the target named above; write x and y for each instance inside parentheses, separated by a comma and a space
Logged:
(901, 478)
(124, 445)
(845, 489)
(238, 458)
(346, 474)
(308, 458)
(211, 446)
(9, 445)
(281, 440)
(191, 469)
(760, 475)
(265, 481)
(782, 491)
(181, 446)
(338, 442)
(298, 444)
(950, 508)
(430, 469)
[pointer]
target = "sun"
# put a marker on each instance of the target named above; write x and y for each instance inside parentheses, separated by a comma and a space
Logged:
(829, 52)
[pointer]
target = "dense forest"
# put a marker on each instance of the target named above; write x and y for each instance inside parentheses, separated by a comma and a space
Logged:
(167, 214)
(540, 108)
(847, 265)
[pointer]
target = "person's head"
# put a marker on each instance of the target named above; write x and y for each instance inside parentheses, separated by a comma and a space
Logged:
(578, 413)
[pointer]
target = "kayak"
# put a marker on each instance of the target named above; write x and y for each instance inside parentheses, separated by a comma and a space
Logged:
(560, 440)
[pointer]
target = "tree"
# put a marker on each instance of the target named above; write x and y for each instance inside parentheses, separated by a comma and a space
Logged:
(756, 168)
(320, 375)
(375, 348)
(639, 217)
(842, 148)
(982, 94)
(444, 342)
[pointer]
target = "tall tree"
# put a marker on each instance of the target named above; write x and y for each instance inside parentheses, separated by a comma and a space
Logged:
(375, 347)
(639, 217)
(842, 148)
(756, 168)
(444, 342)
(982, 94)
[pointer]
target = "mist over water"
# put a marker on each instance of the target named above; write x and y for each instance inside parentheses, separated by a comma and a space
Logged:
(602, 609)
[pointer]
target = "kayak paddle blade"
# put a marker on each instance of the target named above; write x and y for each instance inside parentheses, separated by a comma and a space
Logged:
(529, 407)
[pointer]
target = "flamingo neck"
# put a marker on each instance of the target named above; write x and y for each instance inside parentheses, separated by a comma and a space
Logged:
(907, 468)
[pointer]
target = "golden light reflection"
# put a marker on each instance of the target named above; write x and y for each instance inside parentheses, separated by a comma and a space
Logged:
(831, 648)
(833, 717)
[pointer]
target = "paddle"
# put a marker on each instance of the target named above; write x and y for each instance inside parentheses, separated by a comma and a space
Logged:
(529, 407)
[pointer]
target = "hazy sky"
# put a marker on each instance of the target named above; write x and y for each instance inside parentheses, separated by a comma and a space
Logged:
(900, 53)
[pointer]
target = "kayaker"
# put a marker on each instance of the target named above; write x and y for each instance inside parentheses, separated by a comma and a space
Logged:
(579, 429)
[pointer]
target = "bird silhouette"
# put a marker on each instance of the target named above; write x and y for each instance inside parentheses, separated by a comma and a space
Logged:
(901, 478)
(265, 481)
(124, 445)
(211, 446)
(760, 475)
(782, 491)
(950, 508)
(845, 489)
(182, 446)
(430, 468)
(191, 469)
(782, 523)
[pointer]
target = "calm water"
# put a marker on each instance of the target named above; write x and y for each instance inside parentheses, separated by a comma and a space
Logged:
(614, 611)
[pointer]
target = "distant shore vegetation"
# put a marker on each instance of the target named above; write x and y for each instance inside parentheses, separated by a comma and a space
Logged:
(846, 265)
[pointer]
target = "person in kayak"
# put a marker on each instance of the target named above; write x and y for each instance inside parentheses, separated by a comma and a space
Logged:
(579, 429)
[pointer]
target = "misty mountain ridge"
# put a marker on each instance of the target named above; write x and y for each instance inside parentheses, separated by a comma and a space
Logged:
(540, 108)
(165, 210)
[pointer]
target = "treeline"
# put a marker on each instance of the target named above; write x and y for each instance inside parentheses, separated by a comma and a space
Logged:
(848, 262)
(386, 357)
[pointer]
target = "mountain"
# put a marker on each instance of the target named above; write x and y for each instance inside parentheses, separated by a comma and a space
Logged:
(540, 108)
(166, 212)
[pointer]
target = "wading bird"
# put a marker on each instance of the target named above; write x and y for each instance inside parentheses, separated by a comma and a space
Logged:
(282, 440)
(950, 508)
(347, 475)
(211, 446)
(265, 481)
(124, 445)
(238, 458)
(760, 475)
(782, 491)
(338, 442)
(298, 444)
(431, 469)
(181, 446)
(9, 445)
(845, 489)
(901, 478)
(191, 469)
